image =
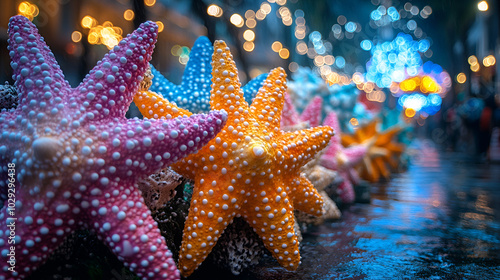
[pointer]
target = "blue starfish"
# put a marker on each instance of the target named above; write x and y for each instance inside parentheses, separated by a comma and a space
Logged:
(193, 93)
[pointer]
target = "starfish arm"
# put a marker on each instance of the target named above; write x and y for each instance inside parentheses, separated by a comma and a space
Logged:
(387, 136)
(128, 229)
(332, 121)
(353, 176)
(251, 88)
(154, 106)
(380, 165)
(200, 59)
(305, 197)
(345, 189)
(275, 226)
(35, 68)
(146, 151)
(268, 104)
(366, 132)
(369, 171)
(194, 91)
(395, 148)
(312, 113)
(204, 227)
(226, 91)
(109, 88)
(35, 230)
(299, 147)
(289, 117)
(355, 154)
(161, 85)
(329, 162)
(349, 139)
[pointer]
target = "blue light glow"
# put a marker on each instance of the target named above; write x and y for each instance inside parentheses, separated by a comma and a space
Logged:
(340, 62)
(423, 45)
(366, 45)
(430, 104)
(395, 60)
(412, 25)
(350, 27)
(375, 15)
(393, 13)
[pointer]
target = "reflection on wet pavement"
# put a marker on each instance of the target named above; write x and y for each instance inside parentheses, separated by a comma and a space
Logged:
(438, 220)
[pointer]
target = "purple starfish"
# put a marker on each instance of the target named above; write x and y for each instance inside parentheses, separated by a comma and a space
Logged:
(72, 157)
(344, 160)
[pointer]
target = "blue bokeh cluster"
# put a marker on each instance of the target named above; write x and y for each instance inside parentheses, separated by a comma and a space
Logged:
(429, 104)
(394, 61)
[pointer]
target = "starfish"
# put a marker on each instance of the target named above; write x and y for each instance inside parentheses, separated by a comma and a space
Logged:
(193, 93)
(382, 152)
(344, 160)
(73, 158)
(311, 114)
(250, 170)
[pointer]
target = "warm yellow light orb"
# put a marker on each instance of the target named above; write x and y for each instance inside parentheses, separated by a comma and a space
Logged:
(482, 6)
(214, 10)
(237, 20)
(249, 35)
(76, 36)
(284, 53)
(248, 46)
(461, 78)
(128, 15)
(276, 46)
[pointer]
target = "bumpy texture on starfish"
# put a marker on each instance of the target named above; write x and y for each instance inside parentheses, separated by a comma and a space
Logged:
(382, 151)
(251, 169)
(193, 94)
(311, 114)
(336, 157)
(77, 157)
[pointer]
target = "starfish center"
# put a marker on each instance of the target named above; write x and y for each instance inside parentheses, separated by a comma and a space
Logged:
(258, 151)
(45, 148)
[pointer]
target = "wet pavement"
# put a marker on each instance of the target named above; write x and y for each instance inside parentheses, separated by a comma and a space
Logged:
(438, 220)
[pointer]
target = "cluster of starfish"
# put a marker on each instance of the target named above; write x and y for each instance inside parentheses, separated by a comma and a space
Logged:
(250, 170)
(77, 158)
(69, 158)
(193, 94)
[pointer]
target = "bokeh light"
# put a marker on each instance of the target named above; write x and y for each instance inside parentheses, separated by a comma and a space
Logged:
(76, 36)
(237, 20)
(214, 10)
(28, 10)
(276, 46)
(150, 3)
(128, 15)
(249, 35)
(482, 6)
(461, 78)
(248, 46)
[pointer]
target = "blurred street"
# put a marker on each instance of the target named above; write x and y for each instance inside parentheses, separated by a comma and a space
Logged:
(439, 220)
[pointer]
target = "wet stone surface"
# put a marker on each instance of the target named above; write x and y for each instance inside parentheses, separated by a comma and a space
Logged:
(438, 220)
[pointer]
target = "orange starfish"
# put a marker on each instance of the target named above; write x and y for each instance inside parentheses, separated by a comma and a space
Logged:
(382, 151)
(251, 169)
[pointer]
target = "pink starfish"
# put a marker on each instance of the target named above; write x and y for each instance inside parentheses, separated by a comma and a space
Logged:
(336, 157)
(73, 157)
(310, 115)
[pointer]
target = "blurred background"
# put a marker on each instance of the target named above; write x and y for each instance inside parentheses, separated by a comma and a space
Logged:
(430, 62)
